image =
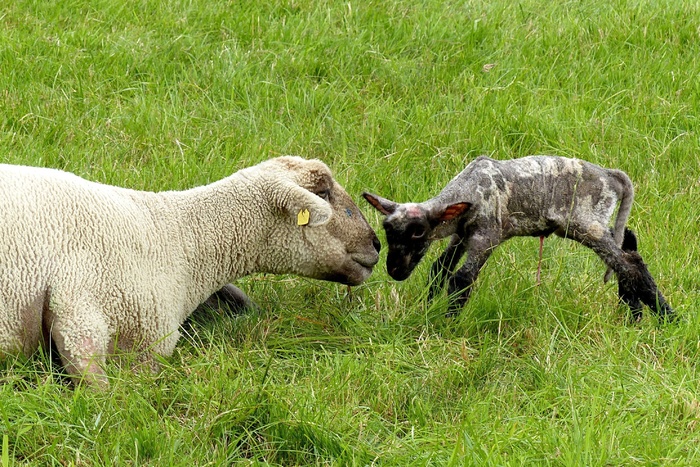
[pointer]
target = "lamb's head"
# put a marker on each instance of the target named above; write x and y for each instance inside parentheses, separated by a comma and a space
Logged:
(410, 229)
(323, 234)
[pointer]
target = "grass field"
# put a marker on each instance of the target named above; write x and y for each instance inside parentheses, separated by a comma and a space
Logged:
(396, 97)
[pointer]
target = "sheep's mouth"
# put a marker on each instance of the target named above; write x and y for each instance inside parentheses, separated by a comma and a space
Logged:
(358, 268)
(400, 265)
(354, 271)
(365, 262)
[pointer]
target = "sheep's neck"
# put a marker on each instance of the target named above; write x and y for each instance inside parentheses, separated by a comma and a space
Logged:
(220, 226)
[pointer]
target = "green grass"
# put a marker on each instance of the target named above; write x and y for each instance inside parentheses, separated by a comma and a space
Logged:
(396, 97)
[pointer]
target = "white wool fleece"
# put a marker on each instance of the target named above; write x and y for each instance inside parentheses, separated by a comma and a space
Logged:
(97, 267)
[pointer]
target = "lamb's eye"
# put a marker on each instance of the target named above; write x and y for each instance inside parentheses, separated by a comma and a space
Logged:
(325, 194)
(418, 233)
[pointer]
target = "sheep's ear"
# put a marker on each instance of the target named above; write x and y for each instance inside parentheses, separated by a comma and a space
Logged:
(382, 205)
(452, 211)
(304, 207)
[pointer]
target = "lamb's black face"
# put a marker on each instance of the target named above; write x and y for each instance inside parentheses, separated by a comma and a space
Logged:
(410, 228)
(408, 241)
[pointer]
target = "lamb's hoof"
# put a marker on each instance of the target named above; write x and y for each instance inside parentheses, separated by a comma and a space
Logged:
(453, 310)
(635, 317)
(666, 315)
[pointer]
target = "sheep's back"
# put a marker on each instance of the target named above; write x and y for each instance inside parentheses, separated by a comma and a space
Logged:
(49, 212)
(66, 235)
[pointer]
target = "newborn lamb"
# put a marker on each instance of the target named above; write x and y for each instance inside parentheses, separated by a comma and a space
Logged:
(491, 201)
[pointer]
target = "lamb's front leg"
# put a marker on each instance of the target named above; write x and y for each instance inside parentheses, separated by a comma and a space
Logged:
(479, 248)
(445, 264)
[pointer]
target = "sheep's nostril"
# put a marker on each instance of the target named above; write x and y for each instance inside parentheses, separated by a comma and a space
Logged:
(377, 244)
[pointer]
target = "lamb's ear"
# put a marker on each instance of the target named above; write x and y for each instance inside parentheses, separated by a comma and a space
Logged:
(452, 211)
(382, 205)
(304, 207)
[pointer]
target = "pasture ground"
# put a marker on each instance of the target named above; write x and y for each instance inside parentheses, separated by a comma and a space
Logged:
(396, 96)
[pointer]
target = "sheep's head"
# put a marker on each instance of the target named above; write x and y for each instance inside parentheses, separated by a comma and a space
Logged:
(410, 229)
(323, 234)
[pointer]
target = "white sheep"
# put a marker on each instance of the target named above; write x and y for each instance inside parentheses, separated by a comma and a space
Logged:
(97, 268)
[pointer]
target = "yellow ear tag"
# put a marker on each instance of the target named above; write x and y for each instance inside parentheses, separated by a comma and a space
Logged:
(303, 217)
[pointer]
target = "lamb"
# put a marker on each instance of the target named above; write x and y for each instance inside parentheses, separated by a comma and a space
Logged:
(491, 201)
(98, 268)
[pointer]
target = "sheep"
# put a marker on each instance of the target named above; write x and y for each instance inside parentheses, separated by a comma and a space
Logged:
(98, 268)
(491, 201)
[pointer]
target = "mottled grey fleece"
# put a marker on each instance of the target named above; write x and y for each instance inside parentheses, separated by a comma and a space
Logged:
(491, 201)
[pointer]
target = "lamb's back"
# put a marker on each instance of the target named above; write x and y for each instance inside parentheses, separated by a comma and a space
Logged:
(533, 193)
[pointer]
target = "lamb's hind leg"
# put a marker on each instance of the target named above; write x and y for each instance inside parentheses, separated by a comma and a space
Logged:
(626, 294)
(644, 286)
(636, 286)
(444, 265)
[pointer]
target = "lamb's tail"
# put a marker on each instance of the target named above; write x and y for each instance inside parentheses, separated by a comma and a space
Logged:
(630, 241)
(623, 212)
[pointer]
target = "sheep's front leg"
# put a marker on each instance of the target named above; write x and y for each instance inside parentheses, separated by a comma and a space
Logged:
(479, 248)
(444, 265)
(81, 337)
(233, 298)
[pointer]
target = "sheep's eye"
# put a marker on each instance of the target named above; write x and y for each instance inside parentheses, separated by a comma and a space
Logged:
(418, 233)
(325, 194)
